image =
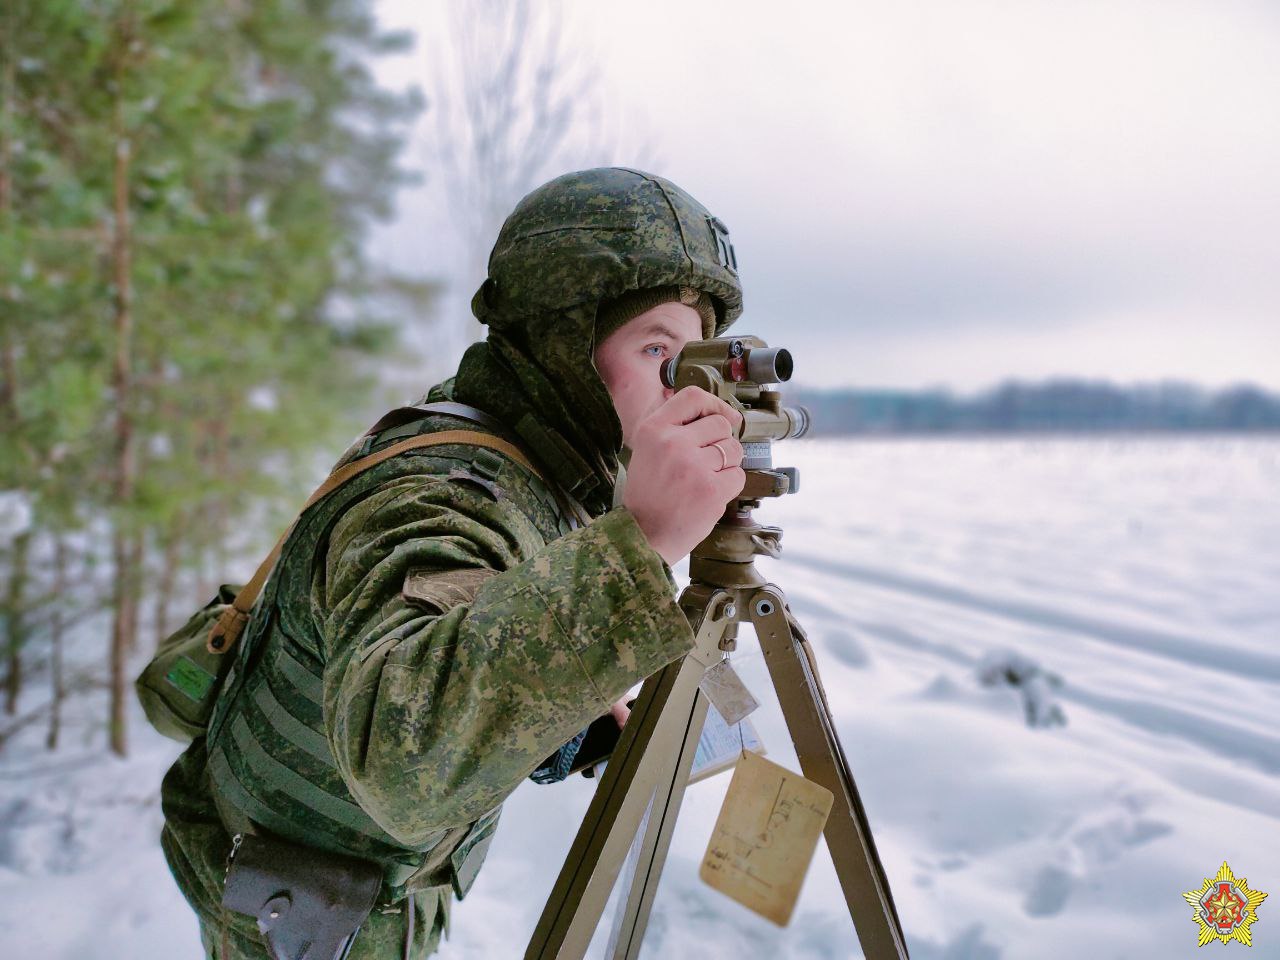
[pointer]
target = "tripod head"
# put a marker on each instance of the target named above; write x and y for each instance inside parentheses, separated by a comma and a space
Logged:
(739, 370)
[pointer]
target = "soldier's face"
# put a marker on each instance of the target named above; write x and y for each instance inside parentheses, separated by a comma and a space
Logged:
(630, 359)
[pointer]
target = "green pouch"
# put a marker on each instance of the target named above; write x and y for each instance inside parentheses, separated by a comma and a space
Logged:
(180, 684)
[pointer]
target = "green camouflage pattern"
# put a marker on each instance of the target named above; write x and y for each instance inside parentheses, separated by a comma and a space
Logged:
(434, 629)
(427, 718)
(594, 235)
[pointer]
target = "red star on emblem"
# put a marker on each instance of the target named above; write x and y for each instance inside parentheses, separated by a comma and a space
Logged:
(1224, 907)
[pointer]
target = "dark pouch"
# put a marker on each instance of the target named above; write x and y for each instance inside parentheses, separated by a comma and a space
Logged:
(308, 903)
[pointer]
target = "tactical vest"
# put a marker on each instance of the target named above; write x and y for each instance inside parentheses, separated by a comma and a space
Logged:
(269, 759)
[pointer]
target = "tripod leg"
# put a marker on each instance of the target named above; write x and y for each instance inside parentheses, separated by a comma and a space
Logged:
(633, 915)
(652, 735)
(804, 705)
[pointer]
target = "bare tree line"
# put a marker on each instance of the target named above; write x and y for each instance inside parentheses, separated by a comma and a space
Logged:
(516, 102)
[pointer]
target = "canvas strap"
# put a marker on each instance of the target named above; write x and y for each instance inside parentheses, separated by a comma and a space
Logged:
(226, 630)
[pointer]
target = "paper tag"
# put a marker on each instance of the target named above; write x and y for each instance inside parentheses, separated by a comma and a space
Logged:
(721, 745)
(765, 837)
(727, 693)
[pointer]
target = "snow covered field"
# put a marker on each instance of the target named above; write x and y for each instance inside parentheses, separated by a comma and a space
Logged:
(1142, 572)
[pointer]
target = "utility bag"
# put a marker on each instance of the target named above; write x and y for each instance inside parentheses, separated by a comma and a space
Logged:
(181, 684)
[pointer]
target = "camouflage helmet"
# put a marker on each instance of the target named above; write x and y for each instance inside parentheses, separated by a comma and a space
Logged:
(593, 235)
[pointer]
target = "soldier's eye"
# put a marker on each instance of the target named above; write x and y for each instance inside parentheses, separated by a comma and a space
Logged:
(656, 346)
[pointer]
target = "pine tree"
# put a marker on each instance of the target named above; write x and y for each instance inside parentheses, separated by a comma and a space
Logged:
(186, 312)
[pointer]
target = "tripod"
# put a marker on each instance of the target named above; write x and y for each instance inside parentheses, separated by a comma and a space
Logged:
(650, 765)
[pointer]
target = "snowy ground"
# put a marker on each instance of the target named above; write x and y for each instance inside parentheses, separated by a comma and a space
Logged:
(1141, 571)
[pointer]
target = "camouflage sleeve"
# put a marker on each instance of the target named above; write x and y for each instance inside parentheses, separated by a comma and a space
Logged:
(461, 650)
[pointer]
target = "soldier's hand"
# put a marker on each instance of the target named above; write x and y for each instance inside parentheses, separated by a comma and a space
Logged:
(678, 484)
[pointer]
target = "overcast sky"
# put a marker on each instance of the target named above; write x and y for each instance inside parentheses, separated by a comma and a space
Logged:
(950, 193)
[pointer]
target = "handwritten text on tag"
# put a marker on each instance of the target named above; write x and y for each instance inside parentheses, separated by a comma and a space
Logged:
(765, 837)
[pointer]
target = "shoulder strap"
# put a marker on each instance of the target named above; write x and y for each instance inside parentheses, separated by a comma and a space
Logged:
(450, 407)
(575, 511)
(226, 630)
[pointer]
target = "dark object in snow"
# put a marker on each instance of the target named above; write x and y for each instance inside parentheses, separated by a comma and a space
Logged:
(1007, 667)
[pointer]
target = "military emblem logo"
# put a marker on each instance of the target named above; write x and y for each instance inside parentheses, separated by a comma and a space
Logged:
(1225, 907)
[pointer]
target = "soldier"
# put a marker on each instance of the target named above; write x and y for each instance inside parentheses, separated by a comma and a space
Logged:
(441, 625)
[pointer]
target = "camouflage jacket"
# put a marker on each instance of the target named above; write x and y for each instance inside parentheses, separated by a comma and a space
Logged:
(457, 636)
(465, 639)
